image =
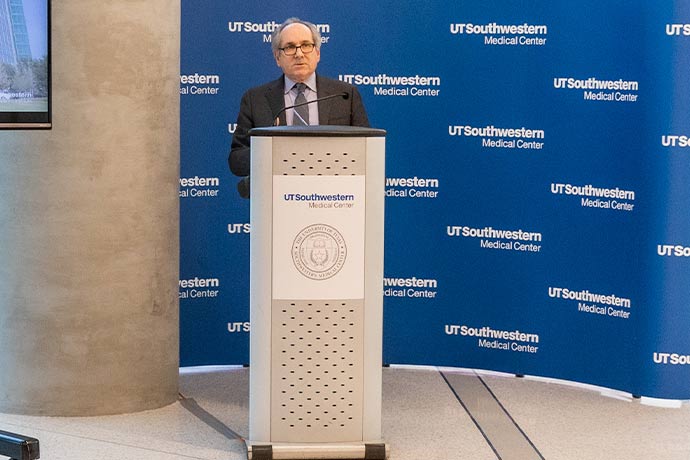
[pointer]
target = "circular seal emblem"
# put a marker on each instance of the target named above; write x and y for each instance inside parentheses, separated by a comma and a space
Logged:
(319, 251)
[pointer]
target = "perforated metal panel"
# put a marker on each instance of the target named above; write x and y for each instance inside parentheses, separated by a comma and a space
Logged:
(317, 363)
(314, 157)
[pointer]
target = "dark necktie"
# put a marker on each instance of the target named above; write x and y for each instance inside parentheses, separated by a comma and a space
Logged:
(301, 115)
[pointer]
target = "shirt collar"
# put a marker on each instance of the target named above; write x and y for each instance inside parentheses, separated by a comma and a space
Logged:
(310, 82)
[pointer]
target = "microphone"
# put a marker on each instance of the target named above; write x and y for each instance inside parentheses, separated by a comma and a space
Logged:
(345, 95)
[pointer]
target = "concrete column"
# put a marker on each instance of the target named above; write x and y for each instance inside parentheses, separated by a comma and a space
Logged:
(89, 220)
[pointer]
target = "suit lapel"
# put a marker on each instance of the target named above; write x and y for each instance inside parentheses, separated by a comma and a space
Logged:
(323, 89)
(276, 99)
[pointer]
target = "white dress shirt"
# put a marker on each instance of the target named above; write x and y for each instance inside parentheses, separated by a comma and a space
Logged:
(309, 94)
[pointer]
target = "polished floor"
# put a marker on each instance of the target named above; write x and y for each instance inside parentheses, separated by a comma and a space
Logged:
(428, 414)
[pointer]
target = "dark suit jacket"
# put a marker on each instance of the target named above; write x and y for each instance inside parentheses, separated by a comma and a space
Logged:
(260, 105)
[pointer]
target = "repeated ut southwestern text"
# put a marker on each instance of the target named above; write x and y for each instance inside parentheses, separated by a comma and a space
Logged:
(509, 138)
(197, 288)
(410, 287)
(673, 250)
(390, 85)
(412, 187)
(497, 339)
(599, 304)
(600, 90)
(266, 29)
(196, 84)
(491, 238)
(197, 187)
(678, 29)
(598, 197)
(504, 34)
(675, 141)
(675, 359)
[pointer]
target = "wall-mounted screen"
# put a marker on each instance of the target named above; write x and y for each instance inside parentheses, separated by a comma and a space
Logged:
(25, 64)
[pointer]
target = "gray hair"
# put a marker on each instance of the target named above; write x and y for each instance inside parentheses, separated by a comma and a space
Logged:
(275, 37)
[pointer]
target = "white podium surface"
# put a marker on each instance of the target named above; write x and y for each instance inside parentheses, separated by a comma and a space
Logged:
(316, 292)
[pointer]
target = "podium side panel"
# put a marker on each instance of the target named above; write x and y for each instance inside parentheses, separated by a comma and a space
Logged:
(261, 217)
(373, 287)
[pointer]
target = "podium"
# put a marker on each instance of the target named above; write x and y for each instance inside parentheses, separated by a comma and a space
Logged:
(316, 293)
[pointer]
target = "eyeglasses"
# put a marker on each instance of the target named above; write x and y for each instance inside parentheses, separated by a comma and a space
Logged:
(291, 50)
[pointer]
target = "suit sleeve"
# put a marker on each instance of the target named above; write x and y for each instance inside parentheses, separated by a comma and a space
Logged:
(238, 160)
(359, 113)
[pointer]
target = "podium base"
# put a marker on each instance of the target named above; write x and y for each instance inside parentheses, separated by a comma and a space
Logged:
(281, 451)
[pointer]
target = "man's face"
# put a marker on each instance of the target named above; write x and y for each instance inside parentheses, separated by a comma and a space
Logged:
(300, 66)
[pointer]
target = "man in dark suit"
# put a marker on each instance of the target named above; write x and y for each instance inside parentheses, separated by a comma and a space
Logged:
(296, 48)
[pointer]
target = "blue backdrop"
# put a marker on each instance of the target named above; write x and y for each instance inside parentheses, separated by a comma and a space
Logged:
(536, 180)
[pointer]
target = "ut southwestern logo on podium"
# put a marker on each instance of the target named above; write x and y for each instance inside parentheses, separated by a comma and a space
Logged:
(319, 252)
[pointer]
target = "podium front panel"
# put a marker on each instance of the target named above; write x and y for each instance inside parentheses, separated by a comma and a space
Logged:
(315, 291)
(318, 289)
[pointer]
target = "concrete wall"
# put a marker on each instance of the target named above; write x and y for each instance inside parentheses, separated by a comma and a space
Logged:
(89, 220)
